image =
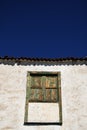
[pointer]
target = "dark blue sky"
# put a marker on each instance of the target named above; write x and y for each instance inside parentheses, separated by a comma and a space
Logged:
(43, 28)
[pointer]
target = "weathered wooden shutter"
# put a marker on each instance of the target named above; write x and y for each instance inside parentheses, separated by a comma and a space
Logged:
(43, 88)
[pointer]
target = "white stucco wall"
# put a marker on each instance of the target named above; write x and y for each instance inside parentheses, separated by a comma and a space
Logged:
(13, 95)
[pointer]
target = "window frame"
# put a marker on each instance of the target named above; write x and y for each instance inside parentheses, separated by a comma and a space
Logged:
(29, 73)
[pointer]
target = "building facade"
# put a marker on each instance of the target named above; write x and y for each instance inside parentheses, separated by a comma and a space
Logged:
(43, 94)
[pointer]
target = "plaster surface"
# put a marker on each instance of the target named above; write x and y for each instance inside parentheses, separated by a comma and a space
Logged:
(13, 94)
(43, 112)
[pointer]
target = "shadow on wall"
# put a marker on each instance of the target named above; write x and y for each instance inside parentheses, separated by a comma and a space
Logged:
(42, 123)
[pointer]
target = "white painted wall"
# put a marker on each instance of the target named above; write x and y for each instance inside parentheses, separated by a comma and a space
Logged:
(13, 95)
(43, 112)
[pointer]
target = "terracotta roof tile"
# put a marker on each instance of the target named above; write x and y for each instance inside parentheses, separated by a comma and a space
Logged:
(44, 59)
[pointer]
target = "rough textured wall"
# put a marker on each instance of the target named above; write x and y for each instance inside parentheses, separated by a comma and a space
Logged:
(13, 93)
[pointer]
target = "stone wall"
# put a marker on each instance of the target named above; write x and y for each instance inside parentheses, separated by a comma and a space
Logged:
(13, 95)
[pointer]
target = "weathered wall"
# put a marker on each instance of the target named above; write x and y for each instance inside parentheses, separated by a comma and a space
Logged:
(13, 93)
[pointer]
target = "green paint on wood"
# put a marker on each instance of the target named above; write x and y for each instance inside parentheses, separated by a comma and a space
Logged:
(60, 98)
(43, 87)
(27, 97)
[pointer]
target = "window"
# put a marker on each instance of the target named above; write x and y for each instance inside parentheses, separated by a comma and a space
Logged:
(43, 98)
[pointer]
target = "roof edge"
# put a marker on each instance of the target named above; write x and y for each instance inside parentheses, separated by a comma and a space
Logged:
(43, 59)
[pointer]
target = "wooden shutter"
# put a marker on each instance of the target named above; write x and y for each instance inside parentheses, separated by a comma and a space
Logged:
(43, 88)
